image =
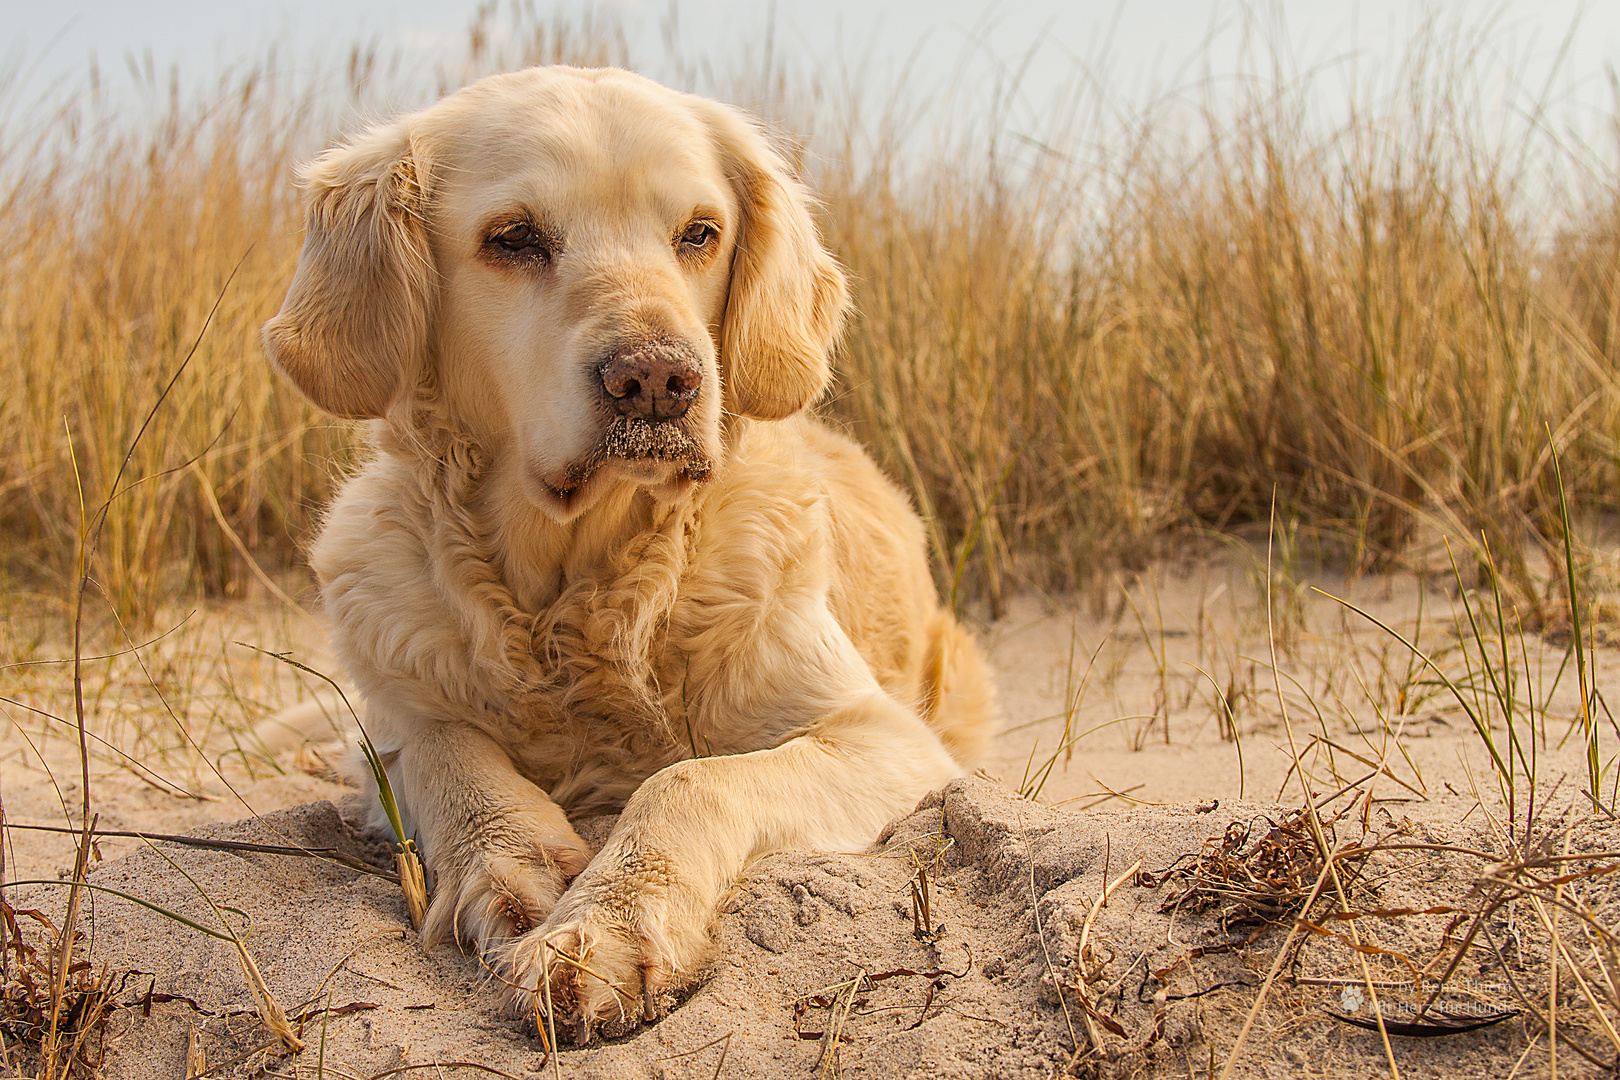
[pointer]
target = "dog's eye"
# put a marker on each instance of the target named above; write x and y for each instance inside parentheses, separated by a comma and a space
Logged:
(698, 235)
(522, 241)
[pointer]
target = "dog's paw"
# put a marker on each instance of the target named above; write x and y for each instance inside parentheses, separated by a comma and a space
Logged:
(619, 942)
(496, 895)
(590, 972)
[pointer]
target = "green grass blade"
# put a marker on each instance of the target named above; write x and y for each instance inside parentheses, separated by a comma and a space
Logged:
(1588, 721)
(147, 904)
(1456, 691)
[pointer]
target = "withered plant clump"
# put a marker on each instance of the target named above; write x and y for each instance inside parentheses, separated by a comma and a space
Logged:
(1252, 880)
(46, 1030)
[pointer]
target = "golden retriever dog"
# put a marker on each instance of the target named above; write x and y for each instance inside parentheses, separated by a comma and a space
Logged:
(601, 560)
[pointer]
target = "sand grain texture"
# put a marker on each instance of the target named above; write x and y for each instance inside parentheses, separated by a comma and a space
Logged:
(798, 925)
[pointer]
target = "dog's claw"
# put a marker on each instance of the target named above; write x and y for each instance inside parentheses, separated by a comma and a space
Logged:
(651, 1000)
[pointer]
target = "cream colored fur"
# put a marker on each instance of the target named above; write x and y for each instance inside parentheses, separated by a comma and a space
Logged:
(735, 643)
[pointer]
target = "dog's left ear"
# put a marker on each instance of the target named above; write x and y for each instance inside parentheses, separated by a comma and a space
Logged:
(787, 297)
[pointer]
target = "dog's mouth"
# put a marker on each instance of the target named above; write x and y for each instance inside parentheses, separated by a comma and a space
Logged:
(631, 439)
(662, 452)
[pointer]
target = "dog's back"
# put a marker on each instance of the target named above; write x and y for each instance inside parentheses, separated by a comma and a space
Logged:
(884, 598)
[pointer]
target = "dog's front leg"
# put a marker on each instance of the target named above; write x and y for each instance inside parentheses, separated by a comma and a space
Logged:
(498, 850)
(636, 921)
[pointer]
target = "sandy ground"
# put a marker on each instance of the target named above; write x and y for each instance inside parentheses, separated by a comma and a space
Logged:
(1166, 975)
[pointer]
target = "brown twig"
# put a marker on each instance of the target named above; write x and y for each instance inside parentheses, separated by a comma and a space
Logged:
(327, 854)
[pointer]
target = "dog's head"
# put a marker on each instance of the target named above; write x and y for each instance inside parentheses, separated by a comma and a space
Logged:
(593, 266)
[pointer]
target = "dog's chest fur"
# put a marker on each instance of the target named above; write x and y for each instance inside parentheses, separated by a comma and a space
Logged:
(616, 674)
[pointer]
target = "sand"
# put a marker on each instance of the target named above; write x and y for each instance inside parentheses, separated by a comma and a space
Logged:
(813, 945)
(976, 998)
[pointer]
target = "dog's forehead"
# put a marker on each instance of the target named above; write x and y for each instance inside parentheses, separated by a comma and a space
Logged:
(569, 141)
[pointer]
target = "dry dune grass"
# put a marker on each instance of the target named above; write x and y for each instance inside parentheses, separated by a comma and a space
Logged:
(1145, 322)
(117, 246)
(1368, 323)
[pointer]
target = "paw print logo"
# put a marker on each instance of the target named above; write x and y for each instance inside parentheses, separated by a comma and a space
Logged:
(1351, 1000)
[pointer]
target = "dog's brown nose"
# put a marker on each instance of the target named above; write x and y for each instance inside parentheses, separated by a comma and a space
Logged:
(652, 380)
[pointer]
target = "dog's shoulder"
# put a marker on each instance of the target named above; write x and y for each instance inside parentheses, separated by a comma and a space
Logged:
(374, 530)
(768, 511)
(392, 618)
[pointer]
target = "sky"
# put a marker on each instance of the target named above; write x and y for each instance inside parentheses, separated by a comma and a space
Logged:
(1140, 47)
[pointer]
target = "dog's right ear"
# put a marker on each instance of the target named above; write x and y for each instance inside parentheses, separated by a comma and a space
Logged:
(353, 329)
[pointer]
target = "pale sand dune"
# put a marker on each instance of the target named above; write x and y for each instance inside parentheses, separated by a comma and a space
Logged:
(799, 925)
(802, 923)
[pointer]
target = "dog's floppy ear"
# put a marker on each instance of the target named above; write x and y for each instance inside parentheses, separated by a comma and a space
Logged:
(788, 297)
(353, 329)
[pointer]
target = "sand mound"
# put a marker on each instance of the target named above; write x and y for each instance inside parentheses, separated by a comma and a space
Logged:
(977, 997)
